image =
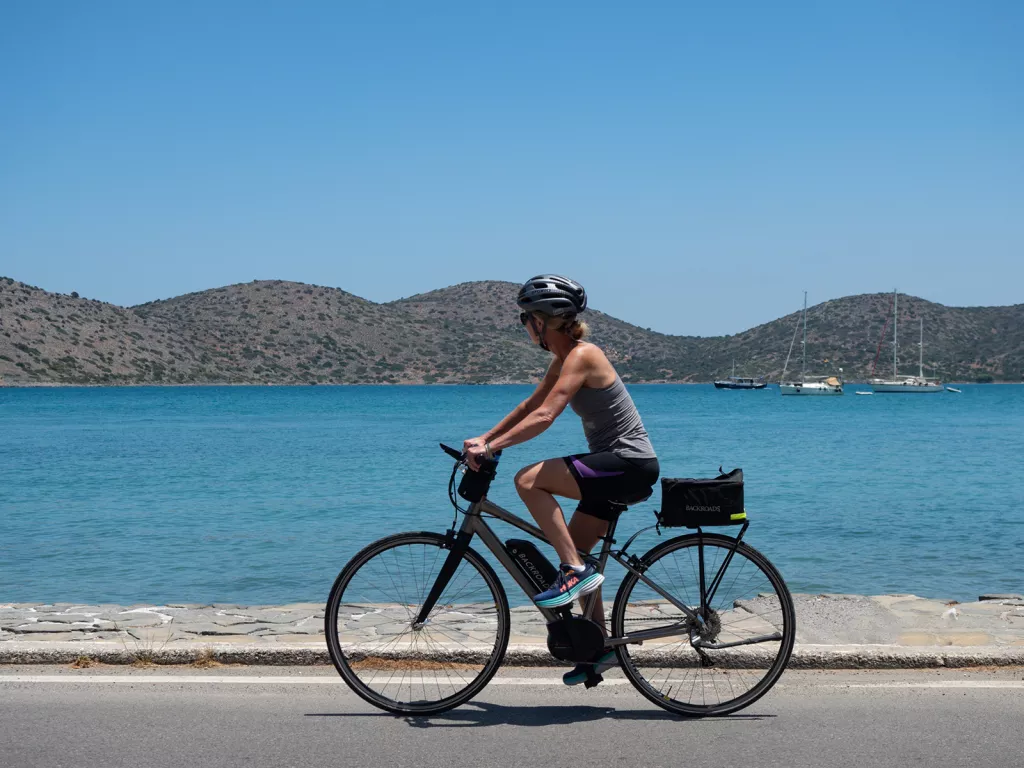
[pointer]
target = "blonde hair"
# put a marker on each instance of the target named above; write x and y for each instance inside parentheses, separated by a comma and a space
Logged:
(576, 329)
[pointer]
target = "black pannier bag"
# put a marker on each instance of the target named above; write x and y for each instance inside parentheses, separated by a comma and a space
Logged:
(689, 502)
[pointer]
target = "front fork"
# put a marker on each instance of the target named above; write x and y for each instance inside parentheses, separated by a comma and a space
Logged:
(457, 544)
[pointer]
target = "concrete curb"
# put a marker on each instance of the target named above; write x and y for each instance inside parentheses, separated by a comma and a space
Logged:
(524, 655)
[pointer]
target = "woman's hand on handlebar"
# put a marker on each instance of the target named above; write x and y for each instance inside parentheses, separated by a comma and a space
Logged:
(467, 444)
(474, 453)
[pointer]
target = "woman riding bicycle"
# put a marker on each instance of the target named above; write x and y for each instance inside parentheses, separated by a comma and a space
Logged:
(620, 464)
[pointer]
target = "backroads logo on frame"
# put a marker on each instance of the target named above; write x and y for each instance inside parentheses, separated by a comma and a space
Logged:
(532, 569)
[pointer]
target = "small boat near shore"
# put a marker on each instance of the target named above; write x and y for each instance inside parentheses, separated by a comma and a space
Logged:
(830, 385)
(740, 382)
(909, 384)
(953, 389)
(819, 385)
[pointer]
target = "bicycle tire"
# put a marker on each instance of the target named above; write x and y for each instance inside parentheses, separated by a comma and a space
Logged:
(347, 655)
(684, 656)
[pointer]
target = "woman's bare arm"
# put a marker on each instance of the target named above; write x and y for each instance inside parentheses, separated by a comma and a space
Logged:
(524, 409)
(571, 377)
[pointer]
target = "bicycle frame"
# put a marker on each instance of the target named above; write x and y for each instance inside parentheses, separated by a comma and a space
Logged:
(474, 524)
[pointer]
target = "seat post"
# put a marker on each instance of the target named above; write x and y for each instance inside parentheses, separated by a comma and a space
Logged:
(609, 536)
(607, 540)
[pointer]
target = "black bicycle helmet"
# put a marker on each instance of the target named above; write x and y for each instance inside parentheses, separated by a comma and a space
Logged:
(553, 295)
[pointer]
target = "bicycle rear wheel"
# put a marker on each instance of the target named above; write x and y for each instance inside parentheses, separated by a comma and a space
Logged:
(376, 646)
(751, 601)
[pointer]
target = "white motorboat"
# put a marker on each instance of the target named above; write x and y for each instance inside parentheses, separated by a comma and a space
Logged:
(905, 383)
(821, 385)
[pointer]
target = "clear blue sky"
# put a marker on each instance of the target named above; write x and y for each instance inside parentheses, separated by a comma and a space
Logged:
(695, 166)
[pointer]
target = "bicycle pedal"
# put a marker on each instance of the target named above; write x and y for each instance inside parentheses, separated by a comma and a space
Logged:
(593, 678)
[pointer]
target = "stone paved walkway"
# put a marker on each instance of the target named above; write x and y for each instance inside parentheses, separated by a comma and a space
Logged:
(894, 621)
(821, 619)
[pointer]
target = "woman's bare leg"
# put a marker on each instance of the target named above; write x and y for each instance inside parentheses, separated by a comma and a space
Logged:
(538, 485)
(586, 531)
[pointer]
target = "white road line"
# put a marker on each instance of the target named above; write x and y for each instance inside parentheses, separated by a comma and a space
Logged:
(931, 684)
(281, 680)
(253, 680)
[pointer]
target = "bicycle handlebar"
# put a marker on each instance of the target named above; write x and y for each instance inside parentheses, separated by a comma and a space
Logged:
(457, 455)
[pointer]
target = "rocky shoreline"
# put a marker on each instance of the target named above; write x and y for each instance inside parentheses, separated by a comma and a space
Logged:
(833, 631)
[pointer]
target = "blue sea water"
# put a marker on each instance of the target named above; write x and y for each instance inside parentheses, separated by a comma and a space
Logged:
(261, 494)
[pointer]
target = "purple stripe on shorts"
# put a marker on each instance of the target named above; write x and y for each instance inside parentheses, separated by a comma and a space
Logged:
(586, 471)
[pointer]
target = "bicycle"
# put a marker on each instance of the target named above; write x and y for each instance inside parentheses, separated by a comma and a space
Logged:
(704, 608)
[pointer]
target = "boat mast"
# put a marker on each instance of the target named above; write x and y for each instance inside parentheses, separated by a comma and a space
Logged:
(803, 367)
(920, 361)
(881, 339)
(789, 354)
(895, 314)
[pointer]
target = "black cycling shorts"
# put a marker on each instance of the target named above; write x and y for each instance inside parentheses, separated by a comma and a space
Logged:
(607, 480)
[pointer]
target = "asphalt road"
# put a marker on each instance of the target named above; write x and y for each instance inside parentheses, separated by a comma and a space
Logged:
(181, 717)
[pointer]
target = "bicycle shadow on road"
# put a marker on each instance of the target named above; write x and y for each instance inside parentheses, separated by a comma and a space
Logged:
(478, 713)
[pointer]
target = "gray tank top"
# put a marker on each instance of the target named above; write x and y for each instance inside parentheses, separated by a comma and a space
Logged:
(611, 422)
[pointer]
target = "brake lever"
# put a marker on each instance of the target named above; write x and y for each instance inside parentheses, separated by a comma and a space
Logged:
(457, 455)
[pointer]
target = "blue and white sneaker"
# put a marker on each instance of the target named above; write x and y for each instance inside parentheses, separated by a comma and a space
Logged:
(601, 663)
(569, 585)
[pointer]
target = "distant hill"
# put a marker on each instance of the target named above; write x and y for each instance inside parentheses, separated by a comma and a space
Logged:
(291, 333)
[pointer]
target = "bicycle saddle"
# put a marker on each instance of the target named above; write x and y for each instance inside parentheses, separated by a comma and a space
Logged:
(636, 498)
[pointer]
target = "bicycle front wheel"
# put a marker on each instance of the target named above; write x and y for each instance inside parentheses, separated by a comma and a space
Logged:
(751, 612)
(395, 663)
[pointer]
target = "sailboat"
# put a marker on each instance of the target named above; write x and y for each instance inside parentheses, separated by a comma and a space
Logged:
(740, 382)
(908, 383)
(823, 385)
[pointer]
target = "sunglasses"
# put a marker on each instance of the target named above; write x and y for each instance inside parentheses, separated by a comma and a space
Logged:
(524, 317)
